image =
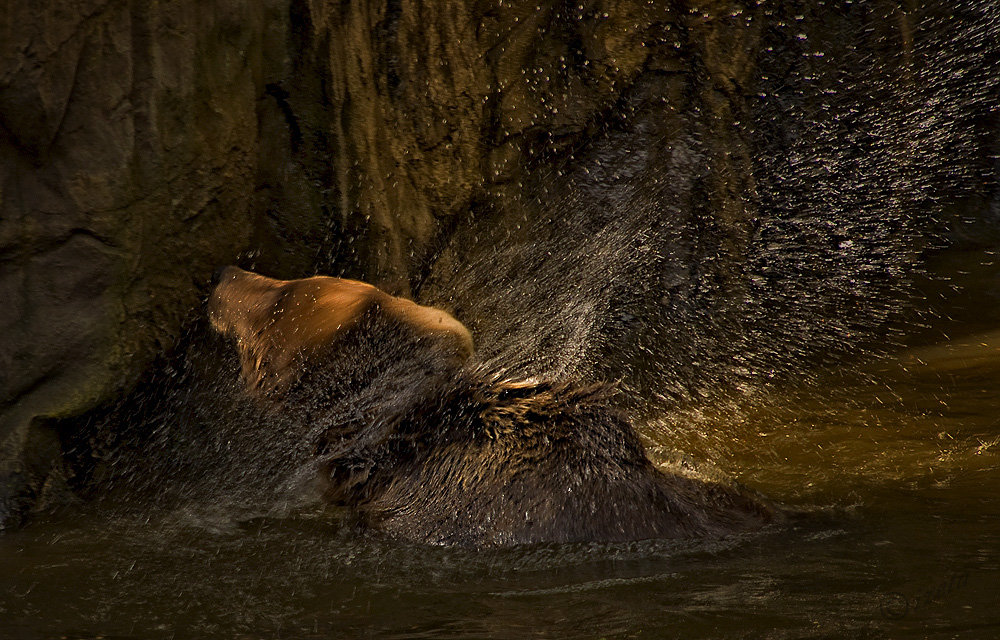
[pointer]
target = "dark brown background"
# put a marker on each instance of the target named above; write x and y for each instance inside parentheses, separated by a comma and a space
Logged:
(143, 144)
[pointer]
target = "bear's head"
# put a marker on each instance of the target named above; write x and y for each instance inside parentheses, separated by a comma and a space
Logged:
(284, 329)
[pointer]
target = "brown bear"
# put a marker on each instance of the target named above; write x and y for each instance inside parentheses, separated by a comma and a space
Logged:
(428, 445)
(280, 327)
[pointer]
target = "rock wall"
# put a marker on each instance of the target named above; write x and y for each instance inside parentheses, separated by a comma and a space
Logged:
(145, 143)
(134, 139)
(142, 144)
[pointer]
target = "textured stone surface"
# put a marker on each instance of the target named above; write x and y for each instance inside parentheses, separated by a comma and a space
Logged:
(627, 156)
(130, 139)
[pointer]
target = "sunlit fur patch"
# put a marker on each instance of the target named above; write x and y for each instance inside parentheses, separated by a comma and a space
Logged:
(279, 325)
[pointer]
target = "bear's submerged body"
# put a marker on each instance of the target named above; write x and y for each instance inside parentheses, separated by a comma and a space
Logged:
(428, 446)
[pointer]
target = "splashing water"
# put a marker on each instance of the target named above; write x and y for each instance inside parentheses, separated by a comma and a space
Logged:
(721, 296)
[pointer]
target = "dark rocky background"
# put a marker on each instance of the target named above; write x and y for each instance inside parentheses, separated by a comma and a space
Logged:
(688, 197)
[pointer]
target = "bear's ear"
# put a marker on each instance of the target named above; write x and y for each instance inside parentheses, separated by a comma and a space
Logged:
(242, 302)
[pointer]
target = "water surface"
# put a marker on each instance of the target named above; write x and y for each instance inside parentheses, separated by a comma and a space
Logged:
(893, 468)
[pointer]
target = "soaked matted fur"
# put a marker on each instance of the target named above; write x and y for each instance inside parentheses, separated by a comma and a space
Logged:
(428, 445)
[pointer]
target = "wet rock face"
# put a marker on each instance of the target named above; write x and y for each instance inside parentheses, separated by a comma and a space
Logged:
(143, 144)
(583, 184)
(130, 138)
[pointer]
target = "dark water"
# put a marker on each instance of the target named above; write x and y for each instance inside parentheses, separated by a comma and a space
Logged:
(895, 469)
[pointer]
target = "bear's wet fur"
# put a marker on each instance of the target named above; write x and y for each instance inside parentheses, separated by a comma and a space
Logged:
(283, 328)
(432, 448)
(480, 461)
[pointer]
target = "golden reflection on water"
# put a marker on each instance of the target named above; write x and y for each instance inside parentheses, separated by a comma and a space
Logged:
(925, 417)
